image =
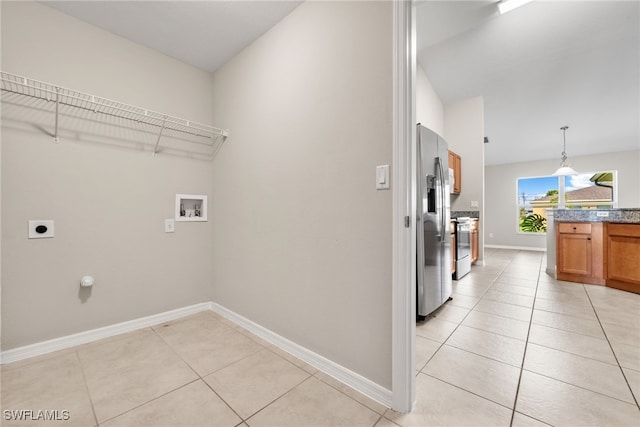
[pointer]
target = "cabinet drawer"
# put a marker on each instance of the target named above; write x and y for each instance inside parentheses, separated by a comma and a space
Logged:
(574, 227)
(626, 230)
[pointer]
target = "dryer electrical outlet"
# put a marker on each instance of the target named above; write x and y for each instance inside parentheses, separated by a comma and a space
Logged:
(40, 228)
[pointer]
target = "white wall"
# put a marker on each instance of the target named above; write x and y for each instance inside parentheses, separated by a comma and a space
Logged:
(0, 201)
(429, 108)
(108, 203)
(638, 175)
(464, 131)
(501, 197)
(302, 239)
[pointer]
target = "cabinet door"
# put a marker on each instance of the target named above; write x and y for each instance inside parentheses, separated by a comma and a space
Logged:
(457, 174)
(474, 245)
(574, 254)
(455, 164)
(623, 256)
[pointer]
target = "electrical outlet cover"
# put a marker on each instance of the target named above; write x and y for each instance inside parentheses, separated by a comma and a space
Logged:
(40, 228)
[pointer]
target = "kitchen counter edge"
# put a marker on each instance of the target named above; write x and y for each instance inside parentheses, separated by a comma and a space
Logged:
(623, 215)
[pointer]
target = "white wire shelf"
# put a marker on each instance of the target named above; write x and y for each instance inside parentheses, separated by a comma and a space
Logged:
(19, 86)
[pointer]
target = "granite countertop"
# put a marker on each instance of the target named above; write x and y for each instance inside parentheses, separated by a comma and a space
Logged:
(470, 214)
(625, 215)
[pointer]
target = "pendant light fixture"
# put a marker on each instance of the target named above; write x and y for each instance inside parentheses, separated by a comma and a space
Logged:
(564, 169)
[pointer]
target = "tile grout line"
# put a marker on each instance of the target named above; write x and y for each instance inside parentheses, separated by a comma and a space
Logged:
(494, 333)
(264, 348)
(573, 354)
(465, 390)
(244, 420)
(200, 378)
(580, 387)
(350, 397)
(152, 328)
(86, 386)
(612, 350)
(497, 276)
(563, 330)
(524, 355)
(470, 309)
(148, 401)
(460, 323)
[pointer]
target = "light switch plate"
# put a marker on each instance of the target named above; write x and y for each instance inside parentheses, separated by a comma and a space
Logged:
(474, 204)
(602, 214)
(382, 177)
(40, 228)
(169, 225)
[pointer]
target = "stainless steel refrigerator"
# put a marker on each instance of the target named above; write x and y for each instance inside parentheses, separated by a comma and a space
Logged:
(433, 224)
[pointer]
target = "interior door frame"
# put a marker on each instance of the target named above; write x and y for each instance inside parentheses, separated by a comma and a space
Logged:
(404, 208)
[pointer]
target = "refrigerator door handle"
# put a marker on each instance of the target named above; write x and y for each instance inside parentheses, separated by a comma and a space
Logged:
(438, 198)
(441, 212)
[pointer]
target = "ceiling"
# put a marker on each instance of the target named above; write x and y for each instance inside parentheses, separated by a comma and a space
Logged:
(542, 66)
(539, 67)
(205, 34)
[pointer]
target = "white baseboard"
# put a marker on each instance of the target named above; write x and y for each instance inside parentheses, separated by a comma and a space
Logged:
(339, 372)
(61, 343)
(518, 248)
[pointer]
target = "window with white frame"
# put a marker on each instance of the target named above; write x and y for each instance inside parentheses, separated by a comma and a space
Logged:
(590, 190)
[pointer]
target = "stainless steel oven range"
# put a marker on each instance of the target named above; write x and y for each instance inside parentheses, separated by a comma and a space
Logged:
(463, 247)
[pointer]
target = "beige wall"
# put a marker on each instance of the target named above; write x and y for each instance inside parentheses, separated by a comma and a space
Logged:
(302, 239)
(429, 108)
(464, 131)
(108, 203)
(501, 199)
(0, 195)
(298, 239)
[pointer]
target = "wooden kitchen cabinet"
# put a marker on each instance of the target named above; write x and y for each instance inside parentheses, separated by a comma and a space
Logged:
(455, 163)
(623, 256)
(474, 240)
(580, 252)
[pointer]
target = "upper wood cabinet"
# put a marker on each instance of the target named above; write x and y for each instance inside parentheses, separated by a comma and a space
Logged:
(579, 252)
(455, 163)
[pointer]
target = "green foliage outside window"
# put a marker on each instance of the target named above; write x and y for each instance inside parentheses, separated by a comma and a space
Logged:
(533, 223)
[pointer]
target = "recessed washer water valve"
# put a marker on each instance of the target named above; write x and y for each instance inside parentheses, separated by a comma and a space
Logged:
(86, 281)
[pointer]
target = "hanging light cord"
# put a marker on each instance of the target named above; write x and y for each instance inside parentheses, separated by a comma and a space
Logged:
(564, 146)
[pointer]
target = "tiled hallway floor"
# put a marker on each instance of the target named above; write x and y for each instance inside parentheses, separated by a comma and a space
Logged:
(513, 347)
(516, 347)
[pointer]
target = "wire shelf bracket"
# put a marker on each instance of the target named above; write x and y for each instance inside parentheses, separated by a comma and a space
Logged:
(23, 86)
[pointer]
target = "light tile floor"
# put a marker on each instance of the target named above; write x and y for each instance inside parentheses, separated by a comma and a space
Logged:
(516, 347)
(513, 348)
